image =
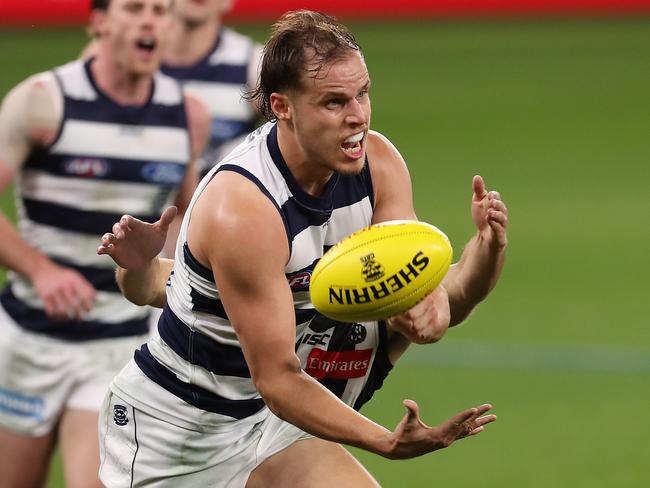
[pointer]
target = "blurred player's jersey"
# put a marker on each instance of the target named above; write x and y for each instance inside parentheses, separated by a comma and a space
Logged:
(195, 353)
(220, 79)
(107, 160)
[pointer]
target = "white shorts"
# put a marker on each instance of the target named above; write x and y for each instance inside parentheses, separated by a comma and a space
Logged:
(40, 376)
(140, 449)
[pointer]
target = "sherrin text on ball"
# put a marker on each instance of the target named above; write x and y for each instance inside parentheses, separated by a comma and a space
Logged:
(380, 271)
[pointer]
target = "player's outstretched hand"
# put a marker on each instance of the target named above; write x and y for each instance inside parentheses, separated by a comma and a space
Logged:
(65, 293)
(490, 214)
(413, 438)
(134, 243)
(427, 321)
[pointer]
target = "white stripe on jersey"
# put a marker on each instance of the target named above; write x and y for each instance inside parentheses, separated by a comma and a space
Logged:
(230, 387)
(234, 48)
(57, 243)
(224, 100)
(116, 141)
(94, 195)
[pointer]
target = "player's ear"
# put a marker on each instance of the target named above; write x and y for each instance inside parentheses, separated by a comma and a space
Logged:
(280, 106)
(96, 24)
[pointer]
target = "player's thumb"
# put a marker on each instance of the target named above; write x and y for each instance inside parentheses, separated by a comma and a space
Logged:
(168, 217)
(412, 410)
(478, 187)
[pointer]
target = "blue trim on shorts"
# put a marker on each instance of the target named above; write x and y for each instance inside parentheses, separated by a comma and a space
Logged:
(192, 394)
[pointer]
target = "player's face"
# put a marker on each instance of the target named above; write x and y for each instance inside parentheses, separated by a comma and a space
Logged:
(199, 11)
(135, 31)
(331, 115)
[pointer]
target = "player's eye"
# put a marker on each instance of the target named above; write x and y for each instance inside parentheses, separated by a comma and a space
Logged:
(333, 103)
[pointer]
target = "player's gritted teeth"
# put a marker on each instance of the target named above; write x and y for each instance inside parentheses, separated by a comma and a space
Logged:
(353, 146)
(146, 45)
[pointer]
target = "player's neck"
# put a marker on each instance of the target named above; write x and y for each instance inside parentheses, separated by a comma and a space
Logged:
(120, 85)
(188, 44)
(310, 177)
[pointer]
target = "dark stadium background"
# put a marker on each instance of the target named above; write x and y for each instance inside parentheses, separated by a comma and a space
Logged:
(554, 111)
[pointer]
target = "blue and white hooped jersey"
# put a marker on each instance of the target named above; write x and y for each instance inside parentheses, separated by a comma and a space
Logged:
(196, 355)
(107, 160)
(220, 79)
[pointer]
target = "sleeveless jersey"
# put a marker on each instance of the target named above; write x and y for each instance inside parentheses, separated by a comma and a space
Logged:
(107, 160)
(220, 79)
(196, 355)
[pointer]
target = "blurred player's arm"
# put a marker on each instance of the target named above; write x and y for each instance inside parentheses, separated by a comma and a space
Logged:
(135, 247)
(30, 117)
(256, 296)
(198, 122)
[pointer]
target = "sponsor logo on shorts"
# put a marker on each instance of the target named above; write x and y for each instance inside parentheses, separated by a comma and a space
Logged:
(340, 365)
(163, 173)
(120, 415)
(14, 403)
(299, 281)
(86, 167)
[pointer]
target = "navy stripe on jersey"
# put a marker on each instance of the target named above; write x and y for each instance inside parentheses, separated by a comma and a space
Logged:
(192, 394)
(106, 111)
(72, 219)
(199, 349)
(161, 173)
(101, 278)
(379, 370)
(195, 266)
(223, 73)
(213, 306)
(35, 320)
(247, 174)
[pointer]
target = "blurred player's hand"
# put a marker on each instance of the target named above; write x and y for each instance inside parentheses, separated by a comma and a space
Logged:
(427, 321)
(66, 294)
(490, 214)
(134, 243)
(413, 438)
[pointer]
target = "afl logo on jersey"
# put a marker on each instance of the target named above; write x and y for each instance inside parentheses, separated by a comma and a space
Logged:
(299, 281)
(120, 416)
(86, 167)
(163, 173)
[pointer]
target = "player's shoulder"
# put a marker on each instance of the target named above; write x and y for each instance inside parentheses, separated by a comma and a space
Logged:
(382, 150)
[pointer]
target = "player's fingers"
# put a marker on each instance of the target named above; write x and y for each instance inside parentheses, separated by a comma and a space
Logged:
(118, 231)
(127, 222)
(460, 418)
(498, 205)
(494, 195)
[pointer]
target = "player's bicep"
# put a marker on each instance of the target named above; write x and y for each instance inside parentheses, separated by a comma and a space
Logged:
(14, 133)
(247, 248)
(391, 181)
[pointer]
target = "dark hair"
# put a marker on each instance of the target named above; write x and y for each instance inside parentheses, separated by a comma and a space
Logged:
(301, 42)
(99, 4)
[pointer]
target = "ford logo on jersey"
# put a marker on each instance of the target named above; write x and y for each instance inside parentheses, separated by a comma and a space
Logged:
(163, 173)
(86, 167)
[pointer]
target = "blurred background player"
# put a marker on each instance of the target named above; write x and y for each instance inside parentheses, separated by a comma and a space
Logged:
(212, 61)
(84, 142)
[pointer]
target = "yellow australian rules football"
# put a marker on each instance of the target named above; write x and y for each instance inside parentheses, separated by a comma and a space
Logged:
(380, 271)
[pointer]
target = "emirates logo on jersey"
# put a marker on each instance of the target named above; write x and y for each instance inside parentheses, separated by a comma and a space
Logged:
(339, 365)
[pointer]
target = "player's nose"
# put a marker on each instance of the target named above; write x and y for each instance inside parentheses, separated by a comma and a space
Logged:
(357, 114)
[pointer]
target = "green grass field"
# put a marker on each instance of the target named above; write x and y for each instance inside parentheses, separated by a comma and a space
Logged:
(554, 114)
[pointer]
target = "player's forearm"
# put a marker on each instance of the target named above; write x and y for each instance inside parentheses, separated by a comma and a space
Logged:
(146, 285)
(299, 399)
(16, 254)
(470, 280)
